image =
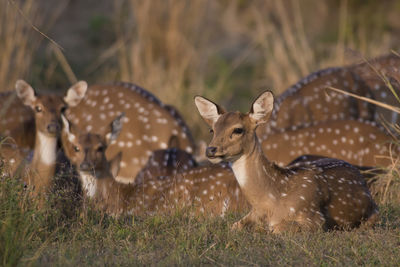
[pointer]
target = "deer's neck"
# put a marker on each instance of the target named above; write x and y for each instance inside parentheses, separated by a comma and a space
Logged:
(109, 195)
(257, 176)
(101, 185)
(89, 183)
(43, 161)
(45, 150)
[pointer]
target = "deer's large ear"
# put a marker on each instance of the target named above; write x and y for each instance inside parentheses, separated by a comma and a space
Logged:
(66, 126)
(115, 129)
(261, 108)
(208, 110)
(25, 92)
(115, 164)
(75, 93)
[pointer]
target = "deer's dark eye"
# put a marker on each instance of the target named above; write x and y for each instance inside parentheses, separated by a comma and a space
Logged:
(77, 149)
(211, 131)
(100, 149)
(38, 109)
(238, 131)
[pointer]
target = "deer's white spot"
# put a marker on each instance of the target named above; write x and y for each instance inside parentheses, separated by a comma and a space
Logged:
(163, 145)
(89, 183)
(47, 149)
(239, 169)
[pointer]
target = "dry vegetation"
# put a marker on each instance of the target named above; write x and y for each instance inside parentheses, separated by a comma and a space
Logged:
(227, 51)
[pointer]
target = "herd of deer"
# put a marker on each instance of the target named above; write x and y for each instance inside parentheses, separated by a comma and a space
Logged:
(294, 162)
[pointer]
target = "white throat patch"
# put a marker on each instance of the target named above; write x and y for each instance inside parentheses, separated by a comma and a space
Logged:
(239, 169)
(47, 148)
(89, 183)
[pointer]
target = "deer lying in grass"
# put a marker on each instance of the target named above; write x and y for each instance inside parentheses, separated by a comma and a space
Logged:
(46, 111)
(330, 194)
(307, 101)
(357, 142)
(150, 123)
(214, 187)
(207, 190)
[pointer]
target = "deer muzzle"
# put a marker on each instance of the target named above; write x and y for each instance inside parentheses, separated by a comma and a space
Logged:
(53, 127)
(211, 151)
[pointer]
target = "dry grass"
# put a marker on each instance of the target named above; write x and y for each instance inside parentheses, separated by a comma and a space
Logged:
(227, 51)
(230, 50)
(47, 237)
(18, 41)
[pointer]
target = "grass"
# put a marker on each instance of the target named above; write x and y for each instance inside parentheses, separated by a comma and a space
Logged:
(227, 51)
(29, 236)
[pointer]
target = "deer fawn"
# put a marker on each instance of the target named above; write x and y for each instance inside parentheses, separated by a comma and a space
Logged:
(46, 112)
(150, 124)
(330, 194)
(213, 187)
(160, 188)
(357, 142)
(308, 102)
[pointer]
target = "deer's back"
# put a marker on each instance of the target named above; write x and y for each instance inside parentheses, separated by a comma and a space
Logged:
(309, 101)
(358, 142)
(148, 125)
(16, 120)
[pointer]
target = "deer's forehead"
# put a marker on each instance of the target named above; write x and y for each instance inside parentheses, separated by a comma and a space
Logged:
(231, 119)
(89, 140)
(50, 101)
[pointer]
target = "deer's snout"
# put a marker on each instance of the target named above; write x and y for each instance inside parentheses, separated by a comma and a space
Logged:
(210, 151)
(53, 127)
(85, 166)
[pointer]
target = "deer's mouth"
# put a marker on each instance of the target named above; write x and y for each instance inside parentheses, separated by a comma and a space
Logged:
(216, 159)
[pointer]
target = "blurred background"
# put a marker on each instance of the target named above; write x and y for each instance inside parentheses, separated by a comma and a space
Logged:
(226, 50)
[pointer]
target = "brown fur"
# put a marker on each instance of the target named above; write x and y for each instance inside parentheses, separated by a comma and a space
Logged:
(150, 123)
(326, 194)
(208, 190)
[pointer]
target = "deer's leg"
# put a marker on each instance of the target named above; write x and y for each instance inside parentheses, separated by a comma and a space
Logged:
(372, 219)
(286, 226)
(304, 221)
(250, 219)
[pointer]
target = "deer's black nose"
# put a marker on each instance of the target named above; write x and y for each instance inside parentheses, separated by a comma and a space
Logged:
(210, 151)
(85, 166)
(53, 127)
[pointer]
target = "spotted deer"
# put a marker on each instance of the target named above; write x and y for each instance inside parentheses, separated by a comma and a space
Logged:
(358, 142)
(149, 123)
(328, 194)
(308, 101)
(16, 120)
(373, 72)
(46, 112)
(209, 190)
(215, 188)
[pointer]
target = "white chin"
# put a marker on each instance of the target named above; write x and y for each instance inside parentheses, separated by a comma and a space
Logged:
(215, 160)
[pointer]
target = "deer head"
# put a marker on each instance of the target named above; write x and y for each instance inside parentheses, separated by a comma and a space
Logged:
(47, 108)
(87, 151)
(230, 143)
